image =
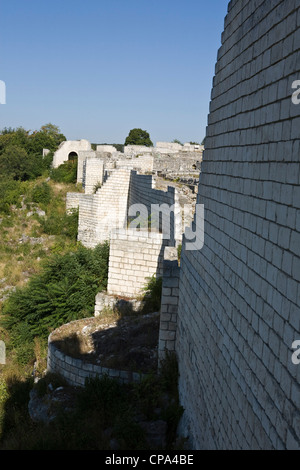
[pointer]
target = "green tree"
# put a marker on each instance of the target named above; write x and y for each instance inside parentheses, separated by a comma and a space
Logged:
(138, 137)
(48, 137)
(14, 162)
(54, 132)
(11, 136)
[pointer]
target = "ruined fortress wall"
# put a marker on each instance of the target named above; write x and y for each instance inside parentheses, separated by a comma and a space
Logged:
(142, 192)
(134, 257)
(73, 201)
(169, 302)
(104, 211)
(75, 371)
(182, 162)
(93, 171)
(143, 163)
(239, 298)
(83, 156)
(87, 222)
(62, 153)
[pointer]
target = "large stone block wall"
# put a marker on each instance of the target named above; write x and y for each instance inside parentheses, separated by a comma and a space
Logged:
(93, 172)
(87, 222)
(73, 201)
(142, 192)
(169, 302)
(134, 256)
(239, 296)
(104, 211)
(83, 155)
(108, 208)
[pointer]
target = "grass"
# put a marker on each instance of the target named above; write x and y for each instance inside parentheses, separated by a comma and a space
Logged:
(104, 410)
(20, 259)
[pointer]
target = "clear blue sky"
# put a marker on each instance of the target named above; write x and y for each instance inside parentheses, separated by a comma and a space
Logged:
(98, 68)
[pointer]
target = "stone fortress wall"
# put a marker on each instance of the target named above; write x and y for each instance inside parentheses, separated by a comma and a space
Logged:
(239, 298)
(230, 311)
(108, 214)
(164, 157)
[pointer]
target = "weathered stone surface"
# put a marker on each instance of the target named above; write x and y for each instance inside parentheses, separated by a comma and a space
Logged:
(238, 293)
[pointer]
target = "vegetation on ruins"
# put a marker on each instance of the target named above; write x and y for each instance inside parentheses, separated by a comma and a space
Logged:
(65, 173)
(64, 290)
(47, 279)
(153, 291)
(21, 151)
(102, 415)
(138, 137)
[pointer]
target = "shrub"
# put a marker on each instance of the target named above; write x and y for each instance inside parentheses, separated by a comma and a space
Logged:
(41, 194)
(153, 291)
(10, 193)
(65, 173)
(179, 249)
(65, 224)
(63, 291)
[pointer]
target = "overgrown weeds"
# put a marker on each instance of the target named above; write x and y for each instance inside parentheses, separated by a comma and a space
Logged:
(64, 290)
(106, 413)
(152, 294)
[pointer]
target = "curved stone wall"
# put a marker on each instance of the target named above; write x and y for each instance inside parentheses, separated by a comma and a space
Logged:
(76, 371)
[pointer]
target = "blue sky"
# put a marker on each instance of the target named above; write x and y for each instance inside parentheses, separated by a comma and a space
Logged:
(98, 68)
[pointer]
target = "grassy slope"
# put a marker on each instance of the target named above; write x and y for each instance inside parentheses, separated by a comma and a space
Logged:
(85, 428)
(20, 259)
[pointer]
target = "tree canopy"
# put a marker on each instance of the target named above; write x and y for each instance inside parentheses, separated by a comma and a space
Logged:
(21, 151)
(138, 137)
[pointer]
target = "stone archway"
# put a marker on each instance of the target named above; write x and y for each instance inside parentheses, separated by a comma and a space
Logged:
(73, 156)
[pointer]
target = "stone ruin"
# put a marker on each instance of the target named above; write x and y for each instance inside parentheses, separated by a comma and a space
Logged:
(165, 158)
(230, 311)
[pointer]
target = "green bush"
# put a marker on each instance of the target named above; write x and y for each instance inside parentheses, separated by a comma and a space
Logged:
(10, 193)
(65, 224)
(153, 291)
(179, 249)
(65, 173)
(21, 151)
(63, 291)
(41, 194)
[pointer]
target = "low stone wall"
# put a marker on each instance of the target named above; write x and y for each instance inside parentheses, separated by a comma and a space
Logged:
(76, 371)
(105, 301)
